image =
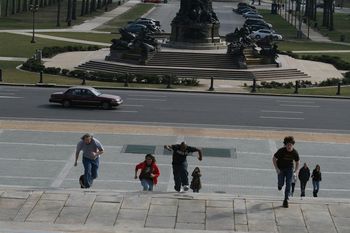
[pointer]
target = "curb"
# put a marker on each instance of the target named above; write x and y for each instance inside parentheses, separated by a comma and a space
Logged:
(51, 85)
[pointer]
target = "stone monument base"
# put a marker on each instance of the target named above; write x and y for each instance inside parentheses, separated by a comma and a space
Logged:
(195, 46)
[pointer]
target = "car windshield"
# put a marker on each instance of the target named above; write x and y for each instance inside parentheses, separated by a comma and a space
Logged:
(96, 92)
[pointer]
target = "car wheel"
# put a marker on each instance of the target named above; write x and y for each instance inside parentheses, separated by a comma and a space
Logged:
(257, 36)
(66, 103)
(106, 105)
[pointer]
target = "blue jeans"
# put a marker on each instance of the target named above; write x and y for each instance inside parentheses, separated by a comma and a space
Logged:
(90, 171)
(180, 175)
(285, 174)
(316, 185)
(147, 184)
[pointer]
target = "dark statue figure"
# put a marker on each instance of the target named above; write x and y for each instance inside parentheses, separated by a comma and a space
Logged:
(132, 47)
(240, 39)
(196, 11)
(196, 22)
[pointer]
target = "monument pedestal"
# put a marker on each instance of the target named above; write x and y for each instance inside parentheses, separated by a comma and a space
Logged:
(195, 36)
(195, 33)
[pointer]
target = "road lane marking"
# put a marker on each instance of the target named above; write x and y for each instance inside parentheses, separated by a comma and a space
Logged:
(33, 160)
(150, 95)
(272, 111)
(37, 144)
(296, 102)
(119, 111)
(282, 118)
(297, 105)
(10, 97)
(147, 99)
(133, 105)
(26, 177)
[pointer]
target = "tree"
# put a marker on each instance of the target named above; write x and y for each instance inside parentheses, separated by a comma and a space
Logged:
(87, 7)
(74, 9)
(93, 6)
(18, 6)
(328, 12)
(13, 9)
(82, 12)
(69, 12)
(310, 9)
(58, 13)
(25, 5)
(7, 7)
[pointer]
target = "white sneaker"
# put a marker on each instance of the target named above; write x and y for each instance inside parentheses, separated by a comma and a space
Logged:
(186, 188)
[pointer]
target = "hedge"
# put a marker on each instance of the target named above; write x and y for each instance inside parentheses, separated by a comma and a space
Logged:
(48, 52)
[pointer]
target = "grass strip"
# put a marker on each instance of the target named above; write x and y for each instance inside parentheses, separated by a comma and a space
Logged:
(309, 46)
(46, 17)
(13, 45)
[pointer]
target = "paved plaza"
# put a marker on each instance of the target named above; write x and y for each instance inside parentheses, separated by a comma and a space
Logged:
(39, 189)
(235, 163)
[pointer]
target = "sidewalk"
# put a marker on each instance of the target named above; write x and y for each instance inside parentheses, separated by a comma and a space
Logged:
(106, 211)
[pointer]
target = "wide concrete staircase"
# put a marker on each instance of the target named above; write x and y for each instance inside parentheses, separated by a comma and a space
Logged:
(260, 74)
(106, 211)
(200, 60)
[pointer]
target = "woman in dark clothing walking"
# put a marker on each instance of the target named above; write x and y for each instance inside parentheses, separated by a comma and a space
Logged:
(304, 176)
(316, 178)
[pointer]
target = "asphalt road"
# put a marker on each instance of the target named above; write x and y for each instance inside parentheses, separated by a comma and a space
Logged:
(186, 109)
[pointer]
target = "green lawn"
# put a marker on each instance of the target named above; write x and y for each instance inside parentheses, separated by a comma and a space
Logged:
(343, 56)
(120, 21)
(309, 45)
(46, 17)
(96, 37)
(12, 45)
(12, 75)
(341, 27)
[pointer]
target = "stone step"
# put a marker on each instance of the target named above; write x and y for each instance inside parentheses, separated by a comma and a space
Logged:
(10, 227)
(159, 70)
(104, 211)
(113, 67)
(201, 60)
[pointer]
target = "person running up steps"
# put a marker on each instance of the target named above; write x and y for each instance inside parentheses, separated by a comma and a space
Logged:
(179, 163)
(283, 161)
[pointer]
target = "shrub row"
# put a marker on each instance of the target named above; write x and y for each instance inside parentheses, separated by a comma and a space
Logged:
(52, 51)
(307, 83)
(36, 66)
(109, 77)
(336, 61)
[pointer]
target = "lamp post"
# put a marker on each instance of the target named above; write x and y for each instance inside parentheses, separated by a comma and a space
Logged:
(33, 8)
